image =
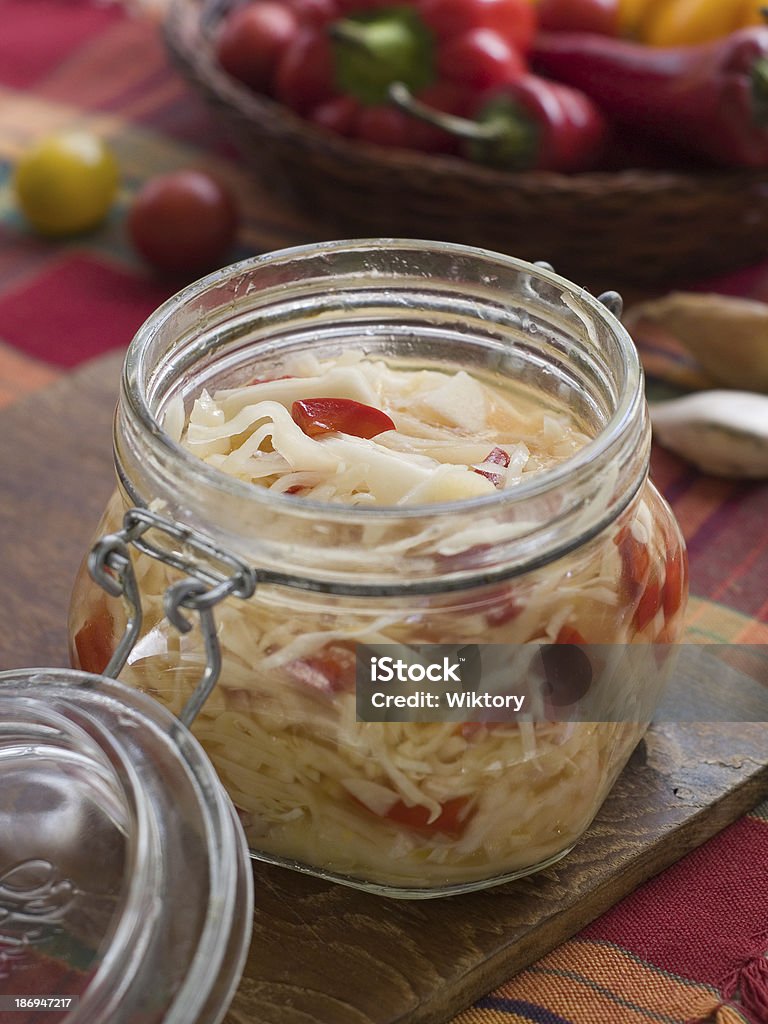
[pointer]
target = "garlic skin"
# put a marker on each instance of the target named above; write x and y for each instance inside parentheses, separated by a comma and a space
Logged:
(724, 433)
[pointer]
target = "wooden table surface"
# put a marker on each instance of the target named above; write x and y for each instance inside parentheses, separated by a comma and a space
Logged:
(324, 954)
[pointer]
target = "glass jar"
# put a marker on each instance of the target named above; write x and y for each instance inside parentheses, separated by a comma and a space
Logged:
(584, 551)
(125, 882)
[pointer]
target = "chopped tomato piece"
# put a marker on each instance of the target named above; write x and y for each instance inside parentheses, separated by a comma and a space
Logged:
(648, 605)
(94, 642)
(451, 819)
(675, 581)
(322, 415)
(496, 457)
(331, 670)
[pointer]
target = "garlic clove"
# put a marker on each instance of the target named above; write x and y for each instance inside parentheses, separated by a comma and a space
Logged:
(727, 335)
(724, 433)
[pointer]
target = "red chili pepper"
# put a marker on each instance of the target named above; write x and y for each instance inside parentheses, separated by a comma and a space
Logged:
(529, 124)
(356, 49)
(318, 416)
(579, 16)
(709, 100)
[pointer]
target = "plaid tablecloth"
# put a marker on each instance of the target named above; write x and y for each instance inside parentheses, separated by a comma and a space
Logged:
(686, 946)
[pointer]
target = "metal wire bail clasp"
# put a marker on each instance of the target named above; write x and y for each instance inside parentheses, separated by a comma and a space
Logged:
(214, 574)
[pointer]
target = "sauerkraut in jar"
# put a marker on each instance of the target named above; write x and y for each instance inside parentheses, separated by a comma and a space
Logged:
(411, 443)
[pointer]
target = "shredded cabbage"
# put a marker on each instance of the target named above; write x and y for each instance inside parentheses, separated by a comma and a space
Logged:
(315, 785)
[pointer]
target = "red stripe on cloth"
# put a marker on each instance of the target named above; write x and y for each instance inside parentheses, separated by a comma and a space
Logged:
(751, 283)
(729, 551)
(78, 308)
(37, 34)
(699, 918)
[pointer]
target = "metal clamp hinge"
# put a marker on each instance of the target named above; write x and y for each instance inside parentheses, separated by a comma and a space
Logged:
(213, 574)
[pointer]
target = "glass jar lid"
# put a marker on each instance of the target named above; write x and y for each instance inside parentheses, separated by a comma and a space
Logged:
(125, 883)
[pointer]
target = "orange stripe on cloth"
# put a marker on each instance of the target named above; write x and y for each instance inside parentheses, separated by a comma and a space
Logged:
(707, 622)
(20, 375)
(595, 983)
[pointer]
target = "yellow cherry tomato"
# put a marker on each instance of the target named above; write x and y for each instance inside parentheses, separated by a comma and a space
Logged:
(66, 183)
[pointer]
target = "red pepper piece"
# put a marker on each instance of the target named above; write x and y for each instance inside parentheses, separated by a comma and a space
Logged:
(451, 820)
(497, 457)
(505, 610)
(648, 605)
(635, 561)
(675, 582)
(331, 670)
(569, 635)
(528, 124)
(94, 643)
(318, 416)
(709, 100)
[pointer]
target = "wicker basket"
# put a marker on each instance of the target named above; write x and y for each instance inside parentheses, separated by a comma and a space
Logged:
(627, 228)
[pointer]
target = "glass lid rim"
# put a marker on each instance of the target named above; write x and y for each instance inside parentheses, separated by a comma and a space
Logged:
(219, 923)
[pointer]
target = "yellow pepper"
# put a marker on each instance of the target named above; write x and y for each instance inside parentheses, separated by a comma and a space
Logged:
(681, 22)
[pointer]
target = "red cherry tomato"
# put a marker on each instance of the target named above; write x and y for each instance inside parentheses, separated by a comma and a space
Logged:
(252, 40)
(304, 77)
(322, 415)
(600, 16)
(183, 221)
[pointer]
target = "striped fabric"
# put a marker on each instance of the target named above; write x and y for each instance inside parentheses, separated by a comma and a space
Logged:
(685, 947)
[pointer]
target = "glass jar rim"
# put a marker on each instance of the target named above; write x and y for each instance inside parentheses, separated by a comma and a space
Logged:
(97, 714)
(136, 372)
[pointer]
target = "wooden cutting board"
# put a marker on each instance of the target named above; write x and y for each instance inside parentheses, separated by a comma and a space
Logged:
(323, 954)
